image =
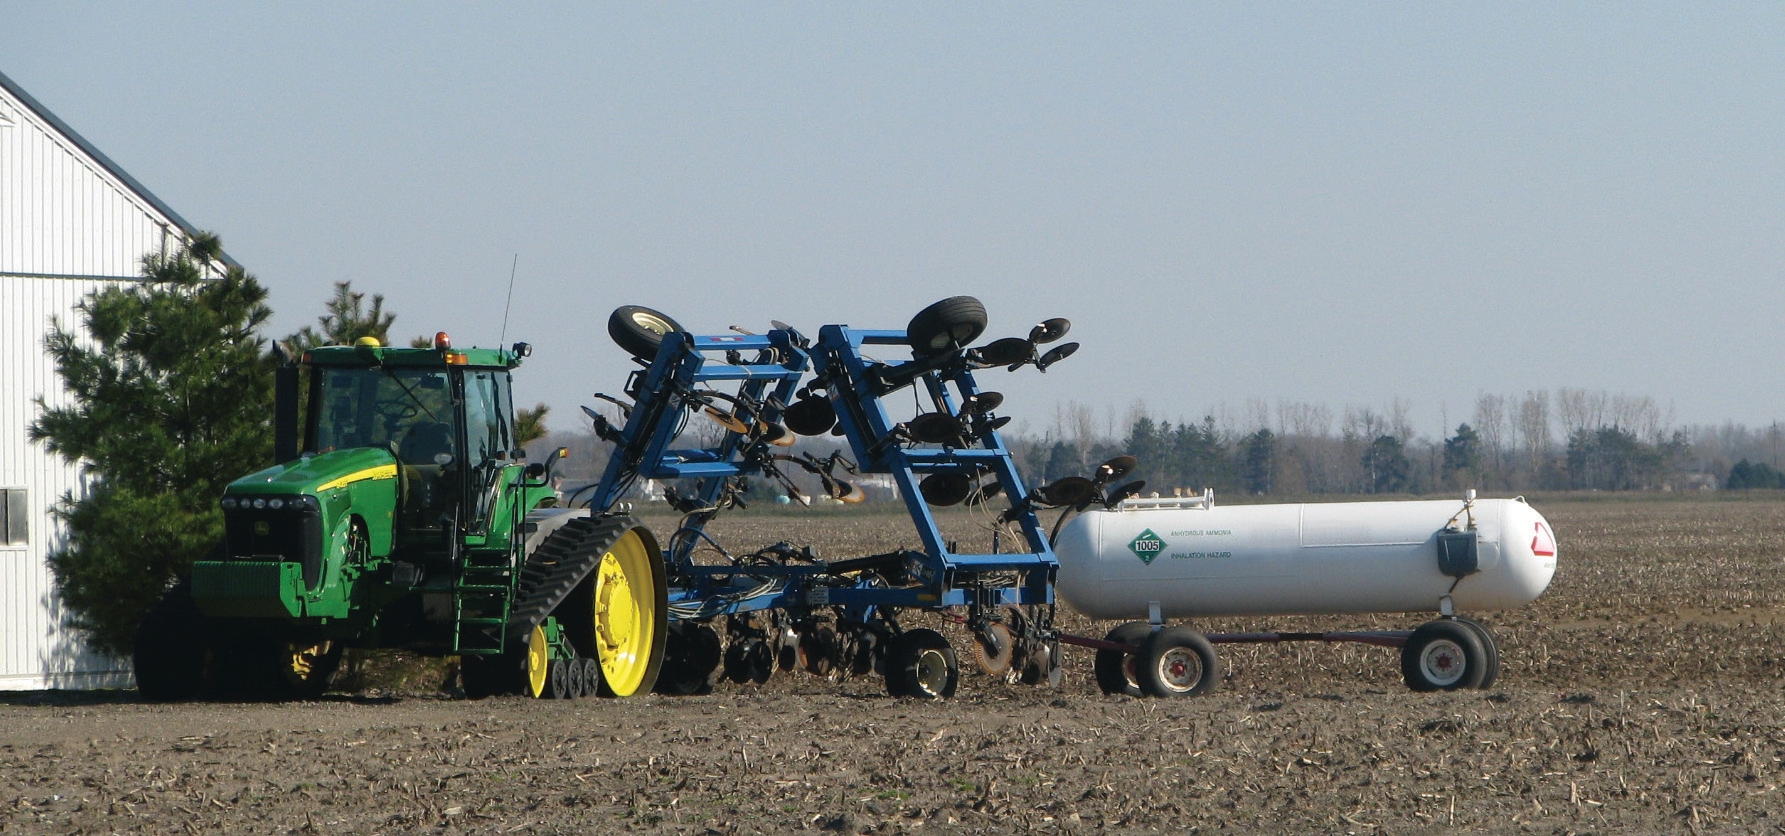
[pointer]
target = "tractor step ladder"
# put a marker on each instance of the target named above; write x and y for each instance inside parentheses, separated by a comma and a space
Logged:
(480, 602)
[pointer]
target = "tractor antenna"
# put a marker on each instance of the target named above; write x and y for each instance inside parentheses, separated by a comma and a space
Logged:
(503, 339)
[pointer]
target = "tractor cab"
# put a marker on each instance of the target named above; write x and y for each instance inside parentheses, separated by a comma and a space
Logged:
(445, 415)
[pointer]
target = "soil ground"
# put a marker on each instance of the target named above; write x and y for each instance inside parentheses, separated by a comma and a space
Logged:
(1640, 694)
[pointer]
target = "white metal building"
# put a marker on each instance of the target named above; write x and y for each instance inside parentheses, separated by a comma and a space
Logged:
(71, 222)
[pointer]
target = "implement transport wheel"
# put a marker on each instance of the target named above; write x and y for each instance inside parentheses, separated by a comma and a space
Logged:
(173, 657)
(539, 663)
(1176, 662)
(1115, 670)
(1443, 655)
(920, 663)
(1490, 667)
(631, 618)
(949, 324)
(639, 330)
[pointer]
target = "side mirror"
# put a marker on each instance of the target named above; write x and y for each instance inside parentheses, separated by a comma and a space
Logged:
(540, 472)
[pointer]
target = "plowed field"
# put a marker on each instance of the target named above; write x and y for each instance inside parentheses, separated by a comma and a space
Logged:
(1641, 694)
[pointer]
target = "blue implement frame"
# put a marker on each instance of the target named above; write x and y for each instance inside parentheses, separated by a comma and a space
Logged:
(767, 370)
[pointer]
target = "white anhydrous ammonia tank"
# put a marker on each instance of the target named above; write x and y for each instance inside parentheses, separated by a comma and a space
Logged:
(1193, 560)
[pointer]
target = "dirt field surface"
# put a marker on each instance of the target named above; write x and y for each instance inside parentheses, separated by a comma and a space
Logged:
(1641, 694)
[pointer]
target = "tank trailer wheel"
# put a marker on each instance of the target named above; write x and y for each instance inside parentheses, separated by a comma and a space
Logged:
(1490, 667)
(1177, 662)
(1443, 655)
(921, 664)
(1115, 670)
(639, 330)
(949, 324)
(631, 615)
(539, 663)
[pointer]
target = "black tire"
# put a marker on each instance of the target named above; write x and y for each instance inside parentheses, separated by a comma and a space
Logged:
(1116, 670)
(576, 677)
(1443, 655)
(591, 677)
(1177, 662)
(489, 676)
(1490, 646)
(950, 324)
(558, 681)
(173, 656)
(920, 663)
(639, 331)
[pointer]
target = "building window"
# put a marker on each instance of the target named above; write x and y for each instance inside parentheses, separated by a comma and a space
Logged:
(14, 523)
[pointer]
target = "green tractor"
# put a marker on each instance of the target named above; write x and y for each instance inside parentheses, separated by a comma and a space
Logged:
(402, 514)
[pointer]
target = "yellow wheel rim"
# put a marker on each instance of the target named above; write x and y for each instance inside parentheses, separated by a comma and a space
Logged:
(303, 662)
(630, 622)
(539, 662)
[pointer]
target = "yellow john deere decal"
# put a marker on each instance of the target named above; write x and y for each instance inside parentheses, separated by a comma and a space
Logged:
(383, 471)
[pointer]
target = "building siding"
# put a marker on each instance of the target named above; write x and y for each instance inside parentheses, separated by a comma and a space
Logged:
(71, 223)
(61, 214)
(36, 650)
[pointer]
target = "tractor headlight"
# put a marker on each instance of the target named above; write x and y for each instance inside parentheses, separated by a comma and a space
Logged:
(259, 503)
(276, 503)
(228, 503)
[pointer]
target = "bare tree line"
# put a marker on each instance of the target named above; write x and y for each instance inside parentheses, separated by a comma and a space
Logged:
(1535, 440)
(1568, 438)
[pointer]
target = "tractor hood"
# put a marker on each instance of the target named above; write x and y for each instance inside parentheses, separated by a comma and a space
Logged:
(316, 474)
(283, 533)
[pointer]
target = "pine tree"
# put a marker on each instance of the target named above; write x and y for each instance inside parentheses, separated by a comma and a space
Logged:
(1258, 462)
(171, 400)
(1385, 465)
(529, 424)
(1462, 458)
(346, 321)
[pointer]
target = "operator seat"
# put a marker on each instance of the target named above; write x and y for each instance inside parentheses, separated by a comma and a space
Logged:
(425, 493)
(424, 441)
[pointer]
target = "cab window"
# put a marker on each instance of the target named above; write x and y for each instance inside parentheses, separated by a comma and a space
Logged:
(408, 410)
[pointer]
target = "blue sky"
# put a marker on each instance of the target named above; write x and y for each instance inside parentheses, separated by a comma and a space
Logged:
(1340, 204)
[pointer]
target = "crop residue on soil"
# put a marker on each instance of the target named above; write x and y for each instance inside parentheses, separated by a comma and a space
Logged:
(1640, 694)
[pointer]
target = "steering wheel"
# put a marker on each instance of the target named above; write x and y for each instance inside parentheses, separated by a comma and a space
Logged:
(395, 412)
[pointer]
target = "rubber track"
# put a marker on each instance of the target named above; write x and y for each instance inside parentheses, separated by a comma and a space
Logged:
(560, 563)
(170, 646)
